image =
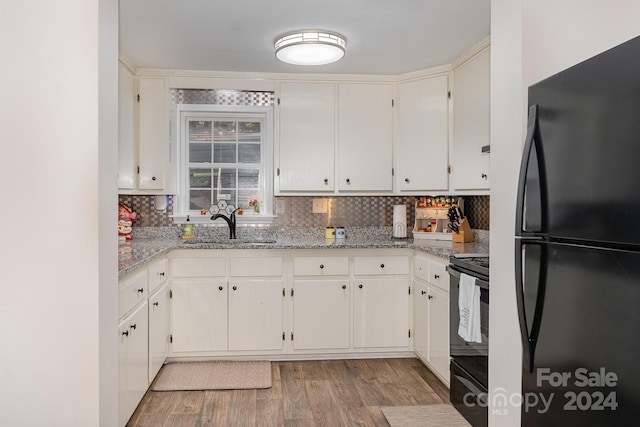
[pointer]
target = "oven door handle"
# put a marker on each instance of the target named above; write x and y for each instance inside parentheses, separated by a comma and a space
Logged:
(454, 272)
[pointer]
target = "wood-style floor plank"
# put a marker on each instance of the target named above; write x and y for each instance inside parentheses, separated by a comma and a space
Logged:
(295, 399)
(303, 394)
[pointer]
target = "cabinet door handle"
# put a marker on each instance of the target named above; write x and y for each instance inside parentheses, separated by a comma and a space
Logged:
(161, 274)
(125, 333)
(326, 181)
(484, 175)
(423, 292)
(381, 265)
(345, 286)
(348, 181)
(133, 326)
(436, 276)
(220, 288)
(406, 180)
(360, 286)
(321, 266)
(141, 290)
(153, 178)
(155, 303)
(430, 297)
(235, 288)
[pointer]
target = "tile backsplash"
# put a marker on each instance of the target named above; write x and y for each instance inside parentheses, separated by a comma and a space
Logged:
(297, 211)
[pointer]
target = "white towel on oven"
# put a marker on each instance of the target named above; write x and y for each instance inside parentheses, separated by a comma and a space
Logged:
(469, 309)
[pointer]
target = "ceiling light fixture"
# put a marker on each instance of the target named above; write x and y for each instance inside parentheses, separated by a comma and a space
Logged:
(310, 47)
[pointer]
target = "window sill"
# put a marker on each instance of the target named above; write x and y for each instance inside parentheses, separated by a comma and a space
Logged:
(241, 220)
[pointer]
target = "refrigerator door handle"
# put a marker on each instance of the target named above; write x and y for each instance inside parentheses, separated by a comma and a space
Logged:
(529, 146)
(529, 335)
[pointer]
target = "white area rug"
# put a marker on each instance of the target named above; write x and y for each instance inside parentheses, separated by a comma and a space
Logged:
(214, 375)
(424, 416)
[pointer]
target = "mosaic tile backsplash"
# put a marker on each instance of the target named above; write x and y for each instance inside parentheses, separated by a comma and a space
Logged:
(344, 211)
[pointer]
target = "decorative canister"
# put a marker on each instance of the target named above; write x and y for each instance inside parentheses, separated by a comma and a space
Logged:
(330, 233)
(341, 233)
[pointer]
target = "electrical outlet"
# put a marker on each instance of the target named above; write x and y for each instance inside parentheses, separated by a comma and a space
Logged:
(319, 205)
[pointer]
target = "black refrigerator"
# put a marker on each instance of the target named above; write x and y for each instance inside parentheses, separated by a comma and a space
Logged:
(577, 245)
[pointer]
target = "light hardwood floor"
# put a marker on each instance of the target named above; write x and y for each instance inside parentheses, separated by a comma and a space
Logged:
(304, 393)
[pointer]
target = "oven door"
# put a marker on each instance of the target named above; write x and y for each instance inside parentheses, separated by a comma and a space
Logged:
(469, 397)
(472, 357)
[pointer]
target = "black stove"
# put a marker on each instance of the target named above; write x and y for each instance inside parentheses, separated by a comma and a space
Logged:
(469, 360)
(477, 263)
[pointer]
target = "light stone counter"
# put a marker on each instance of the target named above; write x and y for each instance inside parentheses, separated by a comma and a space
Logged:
(149, 243)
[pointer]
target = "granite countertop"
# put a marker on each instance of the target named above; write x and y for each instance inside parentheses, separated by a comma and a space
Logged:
(149, 244)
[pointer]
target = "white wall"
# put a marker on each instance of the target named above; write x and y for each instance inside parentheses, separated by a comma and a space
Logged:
(530, 40)
(53, 232)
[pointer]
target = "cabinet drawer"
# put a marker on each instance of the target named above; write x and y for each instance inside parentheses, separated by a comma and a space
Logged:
(198, 267)
(254, 267)
(320, 266)
(381, 265)
(132, 290)
(438, 275)
(421, 268)
(158, 274)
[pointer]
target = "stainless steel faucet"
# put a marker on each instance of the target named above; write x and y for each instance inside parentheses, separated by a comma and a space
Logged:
(231, 222)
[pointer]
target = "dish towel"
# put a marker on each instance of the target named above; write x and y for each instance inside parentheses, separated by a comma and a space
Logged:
(469, 309)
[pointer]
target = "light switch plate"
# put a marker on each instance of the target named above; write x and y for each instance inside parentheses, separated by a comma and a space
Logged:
(319, 205)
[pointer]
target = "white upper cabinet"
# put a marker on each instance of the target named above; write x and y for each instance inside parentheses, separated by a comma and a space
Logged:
(421, 144)
(365, 134)
(335, 133)
(127, 161)
(470, 166)
(143, 134)
(153, 128)
(307, 137)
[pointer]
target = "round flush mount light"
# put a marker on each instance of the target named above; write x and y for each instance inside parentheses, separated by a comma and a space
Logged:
(310, 47)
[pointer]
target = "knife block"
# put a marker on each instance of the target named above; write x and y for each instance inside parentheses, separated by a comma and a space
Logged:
(464, 234)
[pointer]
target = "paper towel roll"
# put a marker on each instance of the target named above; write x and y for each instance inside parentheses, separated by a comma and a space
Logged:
(399, 221)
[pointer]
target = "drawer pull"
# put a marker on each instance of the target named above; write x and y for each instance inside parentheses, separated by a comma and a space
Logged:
(321, 266)
(344, 286)
(235, 288)
(406, 180)
(220, 288)
(381, 265)
(155, 303)
(326, 181)
(161, 274)
(423, 292)
(436, 276)
(133, 326)
(430, 297)
(125, 333)
(141, 290)
(360, 286)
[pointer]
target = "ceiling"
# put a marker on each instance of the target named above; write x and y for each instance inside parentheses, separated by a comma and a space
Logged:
(386, 37)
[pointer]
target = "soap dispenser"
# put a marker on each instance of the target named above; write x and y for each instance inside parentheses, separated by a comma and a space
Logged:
(187, 230)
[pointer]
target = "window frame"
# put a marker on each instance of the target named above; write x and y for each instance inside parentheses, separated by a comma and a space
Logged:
(210, 112)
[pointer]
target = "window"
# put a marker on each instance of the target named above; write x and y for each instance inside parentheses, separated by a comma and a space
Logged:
(224, 155)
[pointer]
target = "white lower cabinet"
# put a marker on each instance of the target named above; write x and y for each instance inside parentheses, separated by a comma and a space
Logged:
(321, 314)
(217, 309)
(158, 329)
(133, 361)
(421, 320)
(431, 314)
(380, 313)
(143, 330)
(255, 315)
(438, 355)
(199, 315)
